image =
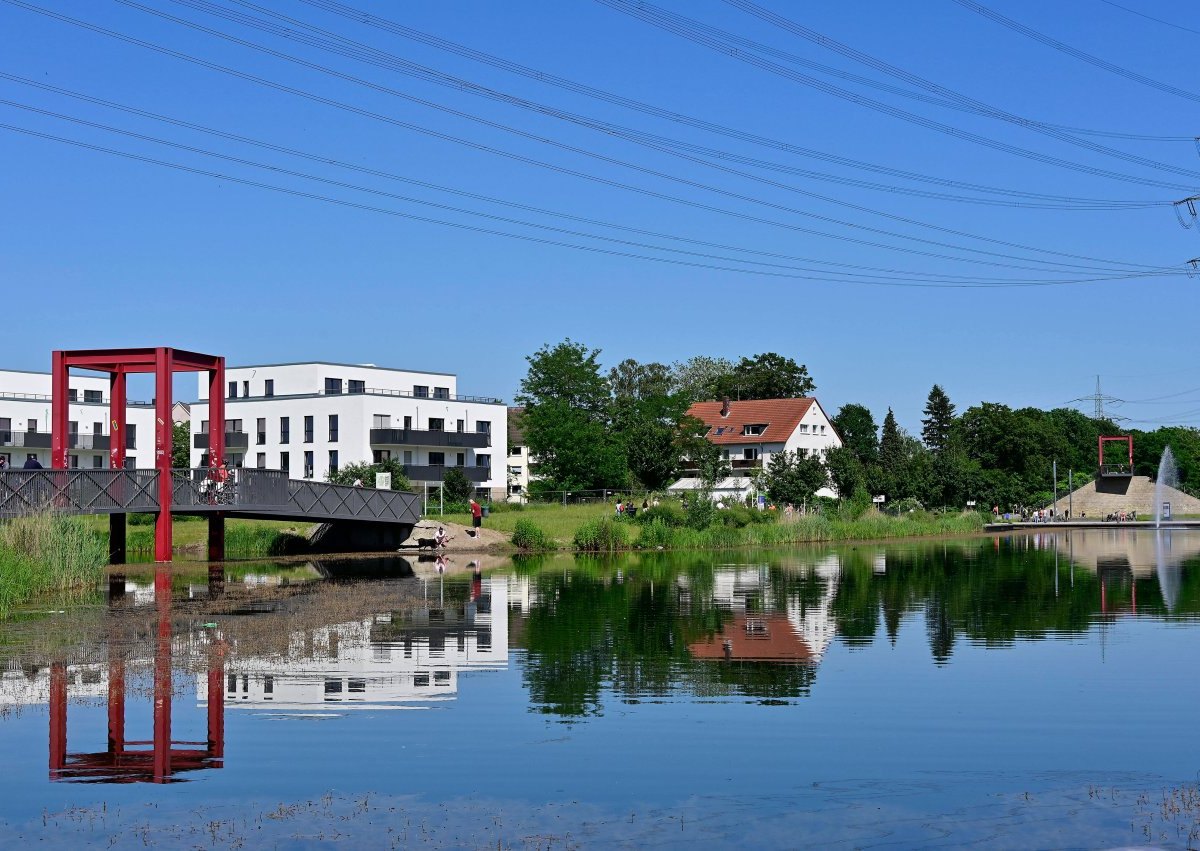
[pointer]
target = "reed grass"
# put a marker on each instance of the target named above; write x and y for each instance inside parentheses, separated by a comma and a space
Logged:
(45, 553)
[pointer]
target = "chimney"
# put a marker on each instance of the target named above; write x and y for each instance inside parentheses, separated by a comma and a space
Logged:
(725, 407)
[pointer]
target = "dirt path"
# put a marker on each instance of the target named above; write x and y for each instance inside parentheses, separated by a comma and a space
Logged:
(461, 540)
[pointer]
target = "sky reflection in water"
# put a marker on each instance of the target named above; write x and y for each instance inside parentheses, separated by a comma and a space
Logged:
(915, 693)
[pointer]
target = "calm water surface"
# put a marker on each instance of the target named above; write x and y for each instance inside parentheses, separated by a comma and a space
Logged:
(1033, 691)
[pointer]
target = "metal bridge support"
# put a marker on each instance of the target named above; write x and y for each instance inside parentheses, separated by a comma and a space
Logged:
(164, 366)
(216, 453)
(216, 537)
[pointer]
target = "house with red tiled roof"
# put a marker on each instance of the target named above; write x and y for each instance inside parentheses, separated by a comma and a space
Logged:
(750, 432)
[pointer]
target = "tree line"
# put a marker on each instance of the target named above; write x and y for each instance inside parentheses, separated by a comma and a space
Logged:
(628, 428)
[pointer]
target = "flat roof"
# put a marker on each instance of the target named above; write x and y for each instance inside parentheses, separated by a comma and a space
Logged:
(337, 363)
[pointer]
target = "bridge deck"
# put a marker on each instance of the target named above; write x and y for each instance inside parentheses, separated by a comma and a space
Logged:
(264, 494)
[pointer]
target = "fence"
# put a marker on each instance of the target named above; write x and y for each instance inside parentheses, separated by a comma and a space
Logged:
(77, 491)
(203, 488)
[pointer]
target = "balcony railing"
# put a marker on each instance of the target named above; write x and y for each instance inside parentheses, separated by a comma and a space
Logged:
(420, 437)
(28, 439)
(233, 440)
(44, 440)
(427, 473)
(1116, 470)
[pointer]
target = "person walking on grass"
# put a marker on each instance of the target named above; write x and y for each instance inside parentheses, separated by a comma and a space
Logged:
(476, 515)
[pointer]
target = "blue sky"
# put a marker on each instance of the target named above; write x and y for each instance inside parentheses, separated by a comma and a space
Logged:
(98, 250)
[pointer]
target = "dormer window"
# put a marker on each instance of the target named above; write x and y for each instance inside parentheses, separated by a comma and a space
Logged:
(754, 429)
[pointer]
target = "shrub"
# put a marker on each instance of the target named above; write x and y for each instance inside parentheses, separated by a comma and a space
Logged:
(667, 513)
(601, 535)
(737, 516)
(365, 473)
(657, 534)
(457, 487)
(531, 538)
(700, 512)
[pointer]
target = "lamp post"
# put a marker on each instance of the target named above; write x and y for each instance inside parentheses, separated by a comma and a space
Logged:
(1054, 505)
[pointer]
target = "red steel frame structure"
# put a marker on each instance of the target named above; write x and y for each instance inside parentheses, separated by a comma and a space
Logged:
(1103, 440)
(163, 362)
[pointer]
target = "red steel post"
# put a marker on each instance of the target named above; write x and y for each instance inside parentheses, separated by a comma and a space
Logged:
(58, 716)
(216, 699)
(216, 453)
(59, 410)
(162, 676)
(163, 432)
(116, 701)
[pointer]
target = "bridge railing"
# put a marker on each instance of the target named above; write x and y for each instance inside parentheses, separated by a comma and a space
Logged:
(205, 488)
(343, 502)
(77, 491)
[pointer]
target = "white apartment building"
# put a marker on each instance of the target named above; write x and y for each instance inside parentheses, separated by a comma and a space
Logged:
(310, 419)
(517, 468)
(25, 422)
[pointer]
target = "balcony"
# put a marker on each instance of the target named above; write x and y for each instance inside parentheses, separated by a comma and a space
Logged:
(417, 437)
(424, 473)
(43, 440)
(28, 439)
(233, 440)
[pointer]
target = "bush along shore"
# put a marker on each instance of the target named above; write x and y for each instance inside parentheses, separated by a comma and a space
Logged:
(668, 527)
(46, 553)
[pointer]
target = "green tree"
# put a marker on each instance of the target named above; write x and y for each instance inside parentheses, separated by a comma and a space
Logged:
(653, 430)
(859, 432)
(939, 419)
(566, 420)
(456, 487)
(846, 472)
(181, 450)
(365, 473)
(766, 376)
(891, 456)
(795, 476)
(633, 380)
(699, 378)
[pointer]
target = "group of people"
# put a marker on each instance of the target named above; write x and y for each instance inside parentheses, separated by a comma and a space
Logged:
(31, 463)
(626, 508)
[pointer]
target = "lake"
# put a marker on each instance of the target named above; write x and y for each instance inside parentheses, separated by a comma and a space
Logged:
(1021, 691)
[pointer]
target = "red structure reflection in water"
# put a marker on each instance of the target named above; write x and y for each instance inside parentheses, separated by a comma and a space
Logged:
(156, 760)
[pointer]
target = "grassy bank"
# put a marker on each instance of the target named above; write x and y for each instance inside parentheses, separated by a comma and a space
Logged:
(46, 553)
(592, 527)
(243, 538)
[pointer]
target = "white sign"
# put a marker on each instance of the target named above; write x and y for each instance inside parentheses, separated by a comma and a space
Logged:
(970, 503)
(879, 498)
(383, 481)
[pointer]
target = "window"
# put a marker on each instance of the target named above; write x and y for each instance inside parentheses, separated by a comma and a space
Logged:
(260, 461)
(437, 424)
(31, 425)
(269, 387)
(437, 459)
(73, 395)
(333, 461)
(514, 471)
(803, 428)
(130, 435)
(420, 391)
(333, 687)
(130, 462)
(514, 489)
(232, 390)
(514, 450)
(381, 421)
(407, 423)
(358, 386)
(204, 426)
(751, 453)
(461, 459)
(93, 396)
(237, 459)
(308, 429)
(408, 456)
(72, 427)
(754, 428)
(73, 462)
(333, 386)
(97, 428)
(260, 431)
(233, 426)
(378, 456)
(245, 388)
(285, 461)
(483, 460)
(822, 429)
(441, 678)
(356, 686)
(441, 392)
(308, 464)
(285, 429)
(5, 428)
(483, 426)
(420, 680)
(268, 686)
(461, 426)
(333, 428)
(97, 462)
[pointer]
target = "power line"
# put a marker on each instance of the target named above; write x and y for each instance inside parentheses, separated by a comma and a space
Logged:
(362, 17)
(475, 228)
(1062, 47)
(544, 140)
(1150, 17)
(688, 28)
(382, 59)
